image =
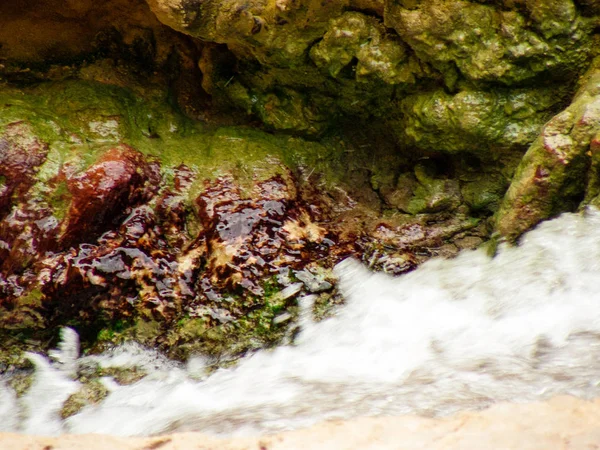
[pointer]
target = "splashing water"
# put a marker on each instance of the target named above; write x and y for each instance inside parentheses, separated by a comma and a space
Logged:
(452, 335)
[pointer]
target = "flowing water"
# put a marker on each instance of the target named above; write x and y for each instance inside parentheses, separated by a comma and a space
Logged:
(452, 335)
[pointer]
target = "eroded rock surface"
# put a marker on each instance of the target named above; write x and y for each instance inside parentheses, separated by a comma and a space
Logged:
(130, 221)
(560, 169)
(168, 167)
(490, 72)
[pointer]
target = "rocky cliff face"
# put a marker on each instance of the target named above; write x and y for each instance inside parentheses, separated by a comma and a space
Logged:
(180, 171)
(442, 77)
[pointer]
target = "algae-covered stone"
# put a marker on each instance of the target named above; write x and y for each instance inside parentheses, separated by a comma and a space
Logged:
(432, 194)
(487, 43)
(90, 393)
(484, 192)
(355, 36)
(551, 177)
(21, 155)
(476, 120)
(273, 32)
(136, 217)
(121, 214)
(430, 69)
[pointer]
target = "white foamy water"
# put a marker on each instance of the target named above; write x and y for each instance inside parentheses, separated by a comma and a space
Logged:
(452, 335)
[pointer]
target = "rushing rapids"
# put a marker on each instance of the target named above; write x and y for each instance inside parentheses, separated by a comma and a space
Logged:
(452, 335)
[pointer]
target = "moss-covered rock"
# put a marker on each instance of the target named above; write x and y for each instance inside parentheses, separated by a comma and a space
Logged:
(90, 393)
(476, 121)
(129, 220)
(379, 56)
(484, 191)
(508, 43)
(430, 70)
(277, 33)
(141, 197)
(555, 174)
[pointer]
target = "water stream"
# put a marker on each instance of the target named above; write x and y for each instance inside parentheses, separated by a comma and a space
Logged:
(452, 335)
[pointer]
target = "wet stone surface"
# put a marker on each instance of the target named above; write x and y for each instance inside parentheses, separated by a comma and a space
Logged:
(19, 159)
(127, 248)
(132, 245)
(250, 239)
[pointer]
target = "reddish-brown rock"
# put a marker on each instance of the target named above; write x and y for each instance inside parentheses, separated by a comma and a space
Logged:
(105, 192)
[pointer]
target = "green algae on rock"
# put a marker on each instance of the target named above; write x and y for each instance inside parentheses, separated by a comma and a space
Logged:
(379, 56)
(147, 260)
(273, 32)
(451, 76)
(476, 121)
(559, 169)
(139, 223)
(485, 42)
(140, 200)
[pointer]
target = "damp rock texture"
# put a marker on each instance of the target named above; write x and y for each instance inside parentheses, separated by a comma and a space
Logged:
(183, 172)
(124, 236)
(560, 169)
(432, 77)
(445, 75)
(127, 219)
(456, 77)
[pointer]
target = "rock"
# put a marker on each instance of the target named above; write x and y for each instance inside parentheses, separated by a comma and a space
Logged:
(484, 191)
(474, 120)
(21, 154)
(314, 283)
(433, 194)
(141, 200)
(276, 33)
(290, 291)
(62, 33)
(551, 177)
(560, 423)
(442, 76)
(105, 192)
(486, 43)
(249, 237)
(449, 76)
(152, 242)
(379, 56)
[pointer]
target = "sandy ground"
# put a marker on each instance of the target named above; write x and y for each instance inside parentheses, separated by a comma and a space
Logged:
(561, 423)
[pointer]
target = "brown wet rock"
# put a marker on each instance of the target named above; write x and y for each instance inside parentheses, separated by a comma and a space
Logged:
(200, 264)
(399, 246)
(21, 154)
(121, 241)
(101, 195)
(26, 233)
(152, 262)
(174, 211)
(250, 239)
(103, 279)
(47, 265)
(137, 269)
(98, 199)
